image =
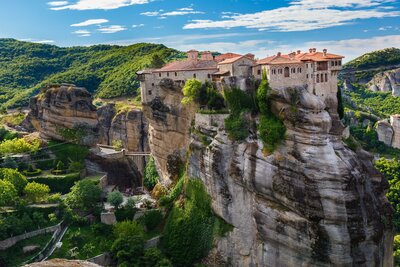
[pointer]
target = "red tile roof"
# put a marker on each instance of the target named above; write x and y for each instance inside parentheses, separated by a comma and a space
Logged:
(226, 56)
(189, 65)
(232, 60)
(298, 58)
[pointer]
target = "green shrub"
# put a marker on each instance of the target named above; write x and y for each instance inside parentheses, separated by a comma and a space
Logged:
(45, 164)
(84, 195)
(115, 198)
(7, 135)
(202, 94)
(68, 152)
(58, 184)
(151, 177)
(272, 131)
(237, 126)
(32, 173)
(173, 195)
(152, 219)
(75, 166)
(18, 145)
(239, 101)
(188, 234)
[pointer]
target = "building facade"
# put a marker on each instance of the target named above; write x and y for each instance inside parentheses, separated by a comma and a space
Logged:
(313, 70)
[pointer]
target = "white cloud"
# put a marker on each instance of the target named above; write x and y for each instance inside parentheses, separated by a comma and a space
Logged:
(58, 3)
(303, 15)
(90, 22)
(112, 29)
(150, 13)
(100, 4)
(385, 28)
(137, 25)
(179, 12)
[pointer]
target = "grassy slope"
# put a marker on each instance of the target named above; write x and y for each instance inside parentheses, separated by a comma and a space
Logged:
(108, 71)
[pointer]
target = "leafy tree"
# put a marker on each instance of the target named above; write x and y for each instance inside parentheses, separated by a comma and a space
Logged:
(153, 257)
(128, 228)
(8, 193)
(151, 177)
(36, 192)
(84, 195)
(60, 166)
(156, 62)
(127, 250)
(10, 163)
(191, 91)
(396, 249)
(262, 94)
(18, 145)
(75, 166)
(15, 177)
(340, 108)
(115, 198)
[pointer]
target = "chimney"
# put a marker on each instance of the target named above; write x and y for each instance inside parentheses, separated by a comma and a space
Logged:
(206, 55)
(193, 55)
(298, 52)
(292, 55)
(250, 56)
(279, 54)
(314, 50)
(310, 50)
(325, 51)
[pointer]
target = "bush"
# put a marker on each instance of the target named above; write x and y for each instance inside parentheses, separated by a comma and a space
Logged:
(15, 177)
(36, 192)
(59, 184)
(188, 234)
(18, 145)
(75, 166)
(32, 173)
(45, 164)
(84, 195)
(128, 228)
(68, 152)
(272, 131)
(202, 94)
(152, 219)
(115, 198)
(237, 126)
(239, 101)
(150, 174)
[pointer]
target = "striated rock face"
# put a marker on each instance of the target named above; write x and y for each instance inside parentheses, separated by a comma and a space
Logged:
(388, 81)
(385, 132)
(313, 202)
(61, 107)
(169, 127)
(67, 107)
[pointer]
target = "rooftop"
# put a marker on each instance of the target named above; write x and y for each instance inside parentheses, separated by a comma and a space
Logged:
(299, 57)
(189, 65)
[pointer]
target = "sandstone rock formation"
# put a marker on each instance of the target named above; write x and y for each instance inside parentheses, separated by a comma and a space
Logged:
(313, 202)
(387, 81)
(169, 127)
(63, 107)
(67, 106)
(389, 131)
(62, 263)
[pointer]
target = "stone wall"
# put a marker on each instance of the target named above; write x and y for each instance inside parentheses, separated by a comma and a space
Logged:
(7, 243)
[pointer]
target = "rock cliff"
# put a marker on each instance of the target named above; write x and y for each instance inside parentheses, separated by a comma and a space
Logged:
(387, 81)
(69, 107)
(313, 202)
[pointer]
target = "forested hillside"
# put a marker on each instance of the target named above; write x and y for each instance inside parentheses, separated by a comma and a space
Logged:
(108, 71)
(375, 59)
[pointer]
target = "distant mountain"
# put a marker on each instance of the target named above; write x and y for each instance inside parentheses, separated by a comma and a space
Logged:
(105, 70)
(375, 59)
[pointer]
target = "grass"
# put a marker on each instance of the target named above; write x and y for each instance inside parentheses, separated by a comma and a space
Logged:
(12, 120)
(14, 256)
(68, 152)
(88, 241)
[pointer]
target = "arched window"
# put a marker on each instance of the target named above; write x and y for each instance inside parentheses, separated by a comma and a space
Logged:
(299, 70)
(159, 75)
(326, 77)
(286, 71)
(317, 78)
(167, 74)
(293, 70)
(194, 76)
(176, 74)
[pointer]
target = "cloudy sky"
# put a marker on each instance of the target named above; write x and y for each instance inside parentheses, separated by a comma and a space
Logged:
(263, 27)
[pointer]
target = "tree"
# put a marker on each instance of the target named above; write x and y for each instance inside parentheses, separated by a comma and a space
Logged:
(191, 91)
(36, 192)
(128, 228)
(156, 62)
(340, 108)
(150, 174)
(8, 193)
(15, 177)
(84, 195)
(262, 94)
(127, 250)
(115, 198)
(10, 163)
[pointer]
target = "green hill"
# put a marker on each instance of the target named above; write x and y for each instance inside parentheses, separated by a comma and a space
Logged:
(105, 70)
(376, 59)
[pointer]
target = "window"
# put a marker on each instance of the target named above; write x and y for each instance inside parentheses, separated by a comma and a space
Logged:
(194, 75)
(150, 92)
(293, 70)
(258, 72)
(209, 76)
(322, 65)
(152, 84)
(176, 74)
(286, 72)
(340, 63)
(280, 71)
(299, 70)
(307, 76)
(332, 63)
(159, 75)
(317, 78)
(167, 74)
(306, 65)
(326, 77)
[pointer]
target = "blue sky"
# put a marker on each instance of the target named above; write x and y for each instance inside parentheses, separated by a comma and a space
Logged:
(263, 27)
